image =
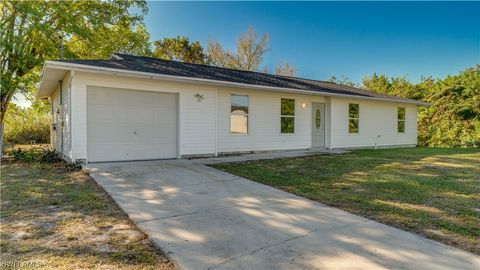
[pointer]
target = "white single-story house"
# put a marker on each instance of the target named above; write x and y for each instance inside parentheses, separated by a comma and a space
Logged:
(140, 108)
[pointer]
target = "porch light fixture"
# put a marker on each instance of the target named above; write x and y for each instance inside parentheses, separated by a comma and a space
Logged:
(304, 105)
(199, 97)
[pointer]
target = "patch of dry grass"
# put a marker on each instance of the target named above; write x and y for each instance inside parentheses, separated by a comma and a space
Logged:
(58, 218)
(431, 191)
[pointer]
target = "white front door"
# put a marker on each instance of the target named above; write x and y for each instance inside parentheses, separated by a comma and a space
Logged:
(318, 125)
(130, 124)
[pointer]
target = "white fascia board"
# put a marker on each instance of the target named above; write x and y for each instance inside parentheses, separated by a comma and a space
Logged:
(39, 85)
(114, 71)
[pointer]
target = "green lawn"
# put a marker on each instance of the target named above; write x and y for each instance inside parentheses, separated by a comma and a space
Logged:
(56, 217)
(431, 191)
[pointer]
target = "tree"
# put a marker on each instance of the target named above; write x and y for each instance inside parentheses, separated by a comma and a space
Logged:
(249, 54)
(122, 38)
(342, 80)
(285, 70)
(453, 119)
(398, 86)
(179, 49)
(23, 125)
(31, 30)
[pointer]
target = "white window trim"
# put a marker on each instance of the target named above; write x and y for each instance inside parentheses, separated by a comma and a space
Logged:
(290, 116)
(404, 120)
(230, 116)
(353, 118)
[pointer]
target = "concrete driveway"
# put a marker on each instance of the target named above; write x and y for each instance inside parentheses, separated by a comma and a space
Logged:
(208, 219)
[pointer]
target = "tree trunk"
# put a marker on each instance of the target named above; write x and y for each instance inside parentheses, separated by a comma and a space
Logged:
(3, 110)
(1, 142)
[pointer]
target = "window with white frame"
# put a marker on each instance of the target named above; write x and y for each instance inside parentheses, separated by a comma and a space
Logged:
(401, 120)
(353, 117)
(239, 114)
(287, 115)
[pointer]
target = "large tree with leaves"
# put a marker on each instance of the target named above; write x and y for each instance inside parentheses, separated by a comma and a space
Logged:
(179, 49)
(453, 119)
(90, 29)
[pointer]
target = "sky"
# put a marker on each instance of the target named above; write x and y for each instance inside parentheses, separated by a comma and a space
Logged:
(323, 39)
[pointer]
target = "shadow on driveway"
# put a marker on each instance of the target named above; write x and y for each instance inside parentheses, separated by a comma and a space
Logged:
(208, 219)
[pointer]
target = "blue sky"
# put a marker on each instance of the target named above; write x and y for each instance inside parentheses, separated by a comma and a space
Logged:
(353, 39)
(323, 39)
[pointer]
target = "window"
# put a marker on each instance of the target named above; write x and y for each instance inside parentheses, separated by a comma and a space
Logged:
(401, 120)
(239, 114)
(287, 118)
(353, 116)
(317, 119)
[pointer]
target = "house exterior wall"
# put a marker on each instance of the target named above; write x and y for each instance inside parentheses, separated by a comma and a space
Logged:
(264, 121)
(196, 118)
(61, 118)
(204, 118)
(377, 124)
(55, 133)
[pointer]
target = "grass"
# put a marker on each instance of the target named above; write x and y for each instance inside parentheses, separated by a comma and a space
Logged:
(56, 217)
(430, 191)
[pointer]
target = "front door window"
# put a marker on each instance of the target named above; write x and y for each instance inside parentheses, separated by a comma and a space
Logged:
(318, 125)
(317, 119)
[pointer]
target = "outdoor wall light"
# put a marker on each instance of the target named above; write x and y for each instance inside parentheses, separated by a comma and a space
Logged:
(304, 105)
(199, 97)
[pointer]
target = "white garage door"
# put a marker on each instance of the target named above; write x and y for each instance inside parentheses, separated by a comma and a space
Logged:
(130, 125)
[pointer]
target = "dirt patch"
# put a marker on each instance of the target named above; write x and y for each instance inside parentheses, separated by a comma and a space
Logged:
(60, 219)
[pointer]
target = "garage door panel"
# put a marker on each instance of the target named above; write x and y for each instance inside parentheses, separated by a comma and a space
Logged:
(102, 114)
(145, 151)
(101, 133)
(145, 99)
(130, 125)
(164, 119)
(100, 97)
(104, 151)
(111, 133)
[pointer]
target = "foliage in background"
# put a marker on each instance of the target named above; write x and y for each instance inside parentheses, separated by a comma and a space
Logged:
(95, 29)
(179, 49)
(34, 154)
(250, 50)
(31, 33)
(343, 80)
(453, 119)
(120, 38)
(249, 54)
(285, 70)
(26, 125)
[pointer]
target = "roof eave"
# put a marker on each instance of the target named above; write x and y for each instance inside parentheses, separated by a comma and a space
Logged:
(114, 71)
(51, 76)
(41, 82)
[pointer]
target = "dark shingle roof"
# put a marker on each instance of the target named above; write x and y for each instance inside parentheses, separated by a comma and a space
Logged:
(181, 69)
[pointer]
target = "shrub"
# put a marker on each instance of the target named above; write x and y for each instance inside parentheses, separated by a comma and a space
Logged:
(34, 154)
(24, 125)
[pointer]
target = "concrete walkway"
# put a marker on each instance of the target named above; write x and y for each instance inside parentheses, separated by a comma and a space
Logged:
(269, 155)
(207, 219)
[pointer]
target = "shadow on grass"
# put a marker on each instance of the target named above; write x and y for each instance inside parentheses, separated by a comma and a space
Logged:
(61, 217)
(430, 191)
(214, 220)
